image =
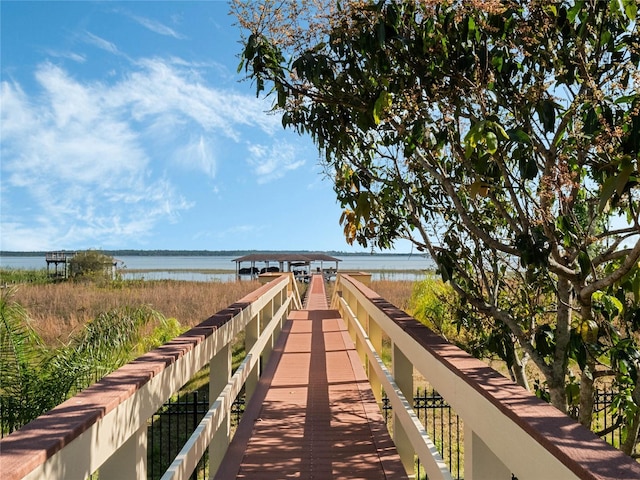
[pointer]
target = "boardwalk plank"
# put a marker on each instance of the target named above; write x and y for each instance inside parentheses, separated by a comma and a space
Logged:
(313, 415)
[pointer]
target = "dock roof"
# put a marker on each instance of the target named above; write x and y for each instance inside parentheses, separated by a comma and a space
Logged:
(287, 257)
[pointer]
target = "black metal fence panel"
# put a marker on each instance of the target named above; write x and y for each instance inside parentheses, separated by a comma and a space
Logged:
(171, 427)
(174, 423)
(441, 423)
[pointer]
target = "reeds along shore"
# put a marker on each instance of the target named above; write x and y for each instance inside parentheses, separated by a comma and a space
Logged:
(57, 310)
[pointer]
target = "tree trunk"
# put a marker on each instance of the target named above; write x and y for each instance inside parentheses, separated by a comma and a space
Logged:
(585, 415)
(557, 384)
(558, 393)
(586, 393)
(518, 370)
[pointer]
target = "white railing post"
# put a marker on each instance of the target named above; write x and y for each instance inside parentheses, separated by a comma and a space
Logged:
(351, 301)
(265, 317)
(375, 337)
(361, 347)
(130, 460)
(219, 376)
(403, 375)
(252, 333)
(480, 463)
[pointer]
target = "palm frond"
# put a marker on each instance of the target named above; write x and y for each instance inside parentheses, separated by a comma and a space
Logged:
(21, 353)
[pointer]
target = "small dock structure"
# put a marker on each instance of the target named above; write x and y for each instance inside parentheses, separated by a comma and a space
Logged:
(300, 264)
(61, 261)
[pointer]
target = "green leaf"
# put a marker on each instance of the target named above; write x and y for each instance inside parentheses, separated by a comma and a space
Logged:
(615, 304)
(520, 136)
(585, 263)
(492, 142)
(544, 340)
(473, 136)
(383, 103)
(501, 132)
(591, 123)
(609, 303)
(626, 99)
(473, 32)
(573, 12)
(528, 168)
(468, 150)
(608, 188)
(630, 9)
(497, 61)
(547, 113)
(623, 177)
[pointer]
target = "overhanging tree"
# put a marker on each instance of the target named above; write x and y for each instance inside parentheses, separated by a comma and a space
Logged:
(501, 137)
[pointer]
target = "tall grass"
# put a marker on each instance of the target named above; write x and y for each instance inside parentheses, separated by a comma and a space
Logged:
(58, 310)
(397, 292)
(18, 275)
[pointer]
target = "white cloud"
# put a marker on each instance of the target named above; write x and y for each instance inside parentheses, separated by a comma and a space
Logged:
(156, 27)
(91, 156)
(159, 86)
(15, 115)
(100, 43)
(197, 154)
(76, 57)
(272, 162)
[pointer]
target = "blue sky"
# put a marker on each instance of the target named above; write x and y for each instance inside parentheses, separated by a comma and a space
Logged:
(124, 125)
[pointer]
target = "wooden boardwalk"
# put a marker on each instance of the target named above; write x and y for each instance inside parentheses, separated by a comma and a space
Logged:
(313, 415)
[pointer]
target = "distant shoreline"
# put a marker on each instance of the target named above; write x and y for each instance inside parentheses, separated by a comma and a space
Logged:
(203, 253)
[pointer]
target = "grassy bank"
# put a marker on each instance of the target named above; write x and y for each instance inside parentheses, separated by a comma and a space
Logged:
(57, 310)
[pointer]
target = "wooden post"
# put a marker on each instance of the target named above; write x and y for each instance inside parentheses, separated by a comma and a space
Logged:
(403, 375)
(252, 333)
(219, 376)
(480, 463)
(130, 460)
(375, 337)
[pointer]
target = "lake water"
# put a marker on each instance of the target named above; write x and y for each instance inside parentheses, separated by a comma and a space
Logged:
(194, 268)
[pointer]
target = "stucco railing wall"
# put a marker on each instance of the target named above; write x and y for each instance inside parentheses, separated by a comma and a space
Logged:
(104, 428)
(507, 430)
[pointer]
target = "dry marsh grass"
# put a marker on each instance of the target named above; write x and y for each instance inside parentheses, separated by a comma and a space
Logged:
(397, 292)
(57, 310)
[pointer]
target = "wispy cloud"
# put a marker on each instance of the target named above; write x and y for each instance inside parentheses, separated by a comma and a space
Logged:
(76, 57)
(101, 43)
(274, 161)
(197, 154)
(156, 27)
(92, 157)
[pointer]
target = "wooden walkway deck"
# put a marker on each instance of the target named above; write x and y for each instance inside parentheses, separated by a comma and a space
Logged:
(313, 415)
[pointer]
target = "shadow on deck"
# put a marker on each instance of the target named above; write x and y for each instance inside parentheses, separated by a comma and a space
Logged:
(313, 414)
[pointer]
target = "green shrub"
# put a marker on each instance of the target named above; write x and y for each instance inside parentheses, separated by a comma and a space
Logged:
(91, 265)
(165, 331)
(435, 304)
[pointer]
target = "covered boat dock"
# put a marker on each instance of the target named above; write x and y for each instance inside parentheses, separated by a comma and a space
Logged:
(300, 264)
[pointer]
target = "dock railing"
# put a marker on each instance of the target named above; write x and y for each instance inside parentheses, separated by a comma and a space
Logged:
(104, 428)
(508, 432)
